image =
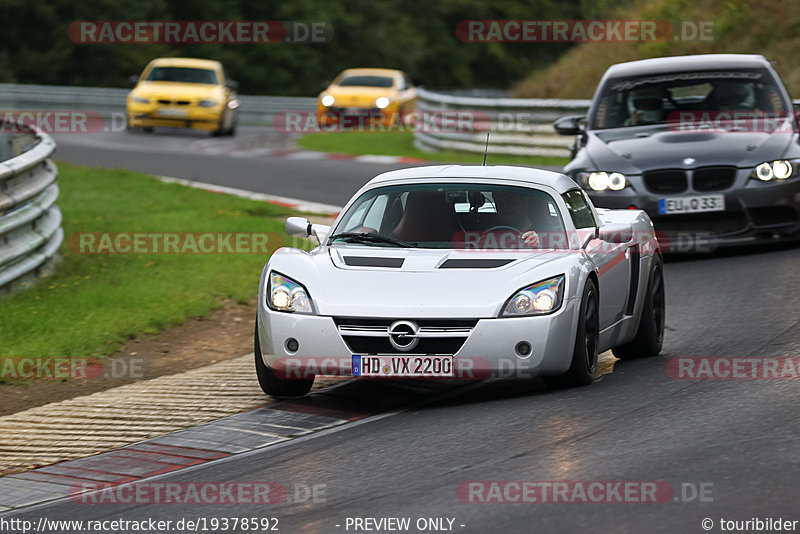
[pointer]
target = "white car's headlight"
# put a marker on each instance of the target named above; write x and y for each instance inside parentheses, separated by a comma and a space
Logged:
(327, 100)
(775, 170)
(141, 100)
(207, 103)
(284, 294)
(604, 181)
(382, 102)
(540, 298)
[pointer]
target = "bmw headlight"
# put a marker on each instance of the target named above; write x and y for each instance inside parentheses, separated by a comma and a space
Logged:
(327, 100)
(603, 181)
(382, 102)
(540, 298)
(284, 294)
(141, 100)
(775, 170)
(207, 103)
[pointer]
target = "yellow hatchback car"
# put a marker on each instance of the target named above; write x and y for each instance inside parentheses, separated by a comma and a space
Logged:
(184, 93)
(358, 97)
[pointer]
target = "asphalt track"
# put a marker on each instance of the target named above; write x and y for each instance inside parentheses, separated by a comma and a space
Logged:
(244, 162)
(738, 439)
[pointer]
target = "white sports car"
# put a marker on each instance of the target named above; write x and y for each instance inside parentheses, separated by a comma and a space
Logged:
(463, 272)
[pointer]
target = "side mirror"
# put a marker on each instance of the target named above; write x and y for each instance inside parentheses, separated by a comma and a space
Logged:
(298, 227)
(133, 79)
(232, 84)
(320, 231)
(615, 233)
(569, 125)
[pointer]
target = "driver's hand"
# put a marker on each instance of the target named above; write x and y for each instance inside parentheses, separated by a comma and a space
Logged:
(531, 239)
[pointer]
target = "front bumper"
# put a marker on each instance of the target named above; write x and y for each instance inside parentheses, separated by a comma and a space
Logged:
(191, 116)
(755, 212)
(488, 351)
(356, 119)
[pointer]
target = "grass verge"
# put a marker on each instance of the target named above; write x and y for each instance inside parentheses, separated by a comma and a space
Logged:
(402, 144)
(91, 304)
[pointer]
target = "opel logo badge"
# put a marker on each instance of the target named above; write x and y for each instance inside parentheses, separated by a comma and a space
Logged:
(403, 335)
(689, 161)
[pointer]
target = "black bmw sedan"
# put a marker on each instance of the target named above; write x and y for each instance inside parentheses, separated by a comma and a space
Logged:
(707, 145)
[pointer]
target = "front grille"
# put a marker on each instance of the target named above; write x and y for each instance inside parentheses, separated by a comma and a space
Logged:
(713, 178)
(174, 102)
(714, 223)
(354, 112)
(386, 323)
(773, 215)
(379, 345)
(436, 336)
(666, 181)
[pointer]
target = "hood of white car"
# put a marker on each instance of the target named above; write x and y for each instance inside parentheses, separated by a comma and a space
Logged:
(367, 281)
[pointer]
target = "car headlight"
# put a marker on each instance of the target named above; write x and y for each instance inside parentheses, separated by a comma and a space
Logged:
(775, 170)
(141, 100)
(327, 100)
(603, 181)
(207, 103)
(540, 298)
(382, 102)
(284, 294)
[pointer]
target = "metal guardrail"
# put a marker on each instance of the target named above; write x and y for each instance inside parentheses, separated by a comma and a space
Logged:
(253, 110)
(518, 126)
(30, 222)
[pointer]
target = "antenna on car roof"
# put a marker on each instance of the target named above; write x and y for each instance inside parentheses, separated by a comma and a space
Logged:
(486, 150)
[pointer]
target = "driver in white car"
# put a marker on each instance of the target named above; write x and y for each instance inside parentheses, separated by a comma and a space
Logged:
(513, 210)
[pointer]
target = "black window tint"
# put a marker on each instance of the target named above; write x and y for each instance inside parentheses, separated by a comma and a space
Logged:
(579, 209)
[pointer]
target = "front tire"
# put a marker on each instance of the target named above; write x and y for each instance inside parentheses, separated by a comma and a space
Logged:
(587, 339)
(270, 383)
(650, 333)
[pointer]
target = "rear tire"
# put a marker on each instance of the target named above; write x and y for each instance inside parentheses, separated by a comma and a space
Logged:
(584, 355)
(650, 332)
(270, 383)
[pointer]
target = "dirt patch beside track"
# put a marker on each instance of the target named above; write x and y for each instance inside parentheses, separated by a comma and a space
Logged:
(224, 334)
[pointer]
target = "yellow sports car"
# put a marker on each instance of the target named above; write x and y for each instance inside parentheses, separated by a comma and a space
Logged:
(184, 93)
(358, 97)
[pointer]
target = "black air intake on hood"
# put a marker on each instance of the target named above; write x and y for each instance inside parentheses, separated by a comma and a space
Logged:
(475, 263)
(366, 261)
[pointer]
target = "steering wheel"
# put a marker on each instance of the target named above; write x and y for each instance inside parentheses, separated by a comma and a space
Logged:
(495, 228)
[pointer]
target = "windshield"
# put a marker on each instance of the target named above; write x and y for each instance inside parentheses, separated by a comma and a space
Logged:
(367, 81)
(182, 74)
(660, 99)
(453, 216)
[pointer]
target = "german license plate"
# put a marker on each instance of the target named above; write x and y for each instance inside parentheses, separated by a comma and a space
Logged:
(693, 204)
(411, 366)
(169, 112)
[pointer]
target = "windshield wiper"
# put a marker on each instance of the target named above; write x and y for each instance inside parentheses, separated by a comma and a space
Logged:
(364, 237)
